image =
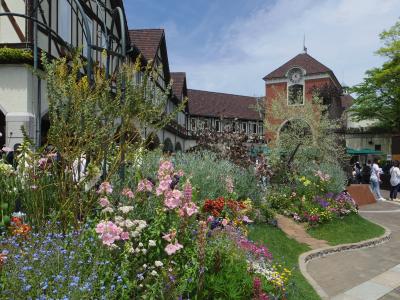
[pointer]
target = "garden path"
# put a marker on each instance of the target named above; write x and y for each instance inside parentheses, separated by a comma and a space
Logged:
(298, 232)
(369, 273)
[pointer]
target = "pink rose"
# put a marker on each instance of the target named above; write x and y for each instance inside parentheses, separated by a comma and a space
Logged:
(224, 222)
(145, 185)
(105, 187)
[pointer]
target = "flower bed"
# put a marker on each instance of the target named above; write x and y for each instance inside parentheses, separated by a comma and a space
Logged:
(143, 241)
(312, 202)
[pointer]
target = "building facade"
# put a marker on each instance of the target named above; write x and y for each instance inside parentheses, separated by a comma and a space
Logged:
(59, 27)
(226, 112)
(292, 86)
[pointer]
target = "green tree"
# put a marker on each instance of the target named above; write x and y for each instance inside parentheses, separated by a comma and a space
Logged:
(378, 96)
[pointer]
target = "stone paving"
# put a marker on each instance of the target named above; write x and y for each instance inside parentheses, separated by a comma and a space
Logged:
(299, 233)
(370, 273)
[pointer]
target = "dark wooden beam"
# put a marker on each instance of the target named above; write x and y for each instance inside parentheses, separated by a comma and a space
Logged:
(13, 22)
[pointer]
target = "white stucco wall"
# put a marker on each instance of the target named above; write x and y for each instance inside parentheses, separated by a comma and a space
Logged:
(363, 141)
(18, 101)
(7, 32)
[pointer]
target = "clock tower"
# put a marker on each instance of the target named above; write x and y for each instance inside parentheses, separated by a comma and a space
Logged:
(290, 88)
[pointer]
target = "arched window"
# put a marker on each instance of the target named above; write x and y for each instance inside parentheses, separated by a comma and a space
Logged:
(168, 146)
(178, 147)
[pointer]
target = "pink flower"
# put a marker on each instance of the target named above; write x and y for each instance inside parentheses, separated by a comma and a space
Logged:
(104, 202)
(43, 162)
(172, 248)
(164, 186)
(224, 222)
(166, 168)
(187, 191)
(109, 232)
(127, 192)
(188, 209)
(210, 219)
(145, 185)
(105, 187)
(170, 236)
(173, 199)
(125, 236)
(246, 219)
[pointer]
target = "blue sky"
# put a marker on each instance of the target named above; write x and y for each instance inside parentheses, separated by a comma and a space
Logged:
(229, 45)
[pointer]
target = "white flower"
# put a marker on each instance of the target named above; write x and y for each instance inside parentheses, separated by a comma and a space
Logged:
(135, 234)
(18, 214)
(158, 263)
(154, 273)
(119, 219)
(107, 210)
(144, 251)
(152, 243)
(144, 266)
(140, 245)
(129, 223)
(126, 209)
(137, 250)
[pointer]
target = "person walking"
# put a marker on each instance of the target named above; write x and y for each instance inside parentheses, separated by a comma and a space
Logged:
(375, 180)
(394, 180)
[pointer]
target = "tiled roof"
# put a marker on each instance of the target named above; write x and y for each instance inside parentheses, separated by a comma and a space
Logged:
(178, 79)
(346, 100)
(211, 104)
(304, 60)
(147, 41)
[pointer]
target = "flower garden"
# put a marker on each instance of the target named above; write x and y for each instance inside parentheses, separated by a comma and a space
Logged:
(94, 215)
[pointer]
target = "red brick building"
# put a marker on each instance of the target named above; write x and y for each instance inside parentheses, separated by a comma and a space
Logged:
(291, 86)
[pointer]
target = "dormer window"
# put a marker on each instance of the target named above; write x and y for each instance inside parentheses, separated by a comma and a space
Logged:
(295, 90)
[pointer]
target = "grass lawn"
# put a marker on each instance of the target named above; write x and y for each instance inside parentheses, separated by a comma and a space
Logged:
(286, 251)
(350, 229)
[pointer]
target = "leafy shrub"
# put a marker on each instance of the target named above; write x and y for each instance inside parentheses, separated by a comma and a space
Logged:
(15, 56)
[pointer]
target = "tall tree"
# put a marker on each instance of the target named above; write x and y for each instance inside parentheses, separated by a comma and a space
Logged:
(378, 96)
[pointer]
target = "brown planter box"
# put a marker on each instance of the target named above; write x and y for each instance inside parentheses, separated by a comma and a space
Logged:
(361, 193)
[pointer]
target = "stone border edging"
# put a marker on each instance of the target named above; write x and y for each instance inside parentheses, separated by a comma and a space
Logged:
(306, 257)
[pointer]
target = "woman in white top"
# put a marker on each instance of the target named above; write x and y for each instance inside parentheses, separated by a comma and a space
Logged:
(394, 180)
(375, 179)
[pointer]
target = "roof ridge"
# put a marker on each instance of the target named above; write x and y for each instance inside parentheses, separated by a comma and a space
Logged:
(253, 97)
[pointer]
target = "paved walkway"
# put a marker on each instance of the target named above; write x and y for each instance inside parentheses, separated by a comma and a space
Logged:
(370, 273)
(299, 233)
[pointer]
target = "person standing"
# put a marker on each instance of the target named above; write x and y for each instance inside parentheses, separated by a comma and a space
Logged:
(375, 179)
(394, 180)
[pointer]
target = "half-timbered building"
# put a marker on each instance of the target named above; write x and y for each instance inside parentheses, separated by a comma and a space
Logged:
(55, 27)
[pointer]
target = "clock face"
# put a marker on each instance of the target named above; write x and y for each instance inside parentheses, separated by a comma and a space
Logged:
(295, 76)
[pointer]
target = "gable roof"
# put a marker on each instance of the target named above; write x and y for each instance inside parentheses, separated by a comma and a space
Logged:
(304, 60)
(179, 83)
(212, 104)
(147, 41)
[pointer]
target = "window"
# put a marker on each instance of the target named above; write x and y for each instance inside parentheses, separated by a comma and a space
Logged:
(254, 128)
(193, 124)
(218, 126)
(84, 35)
(378, 147)
(244, 127)
(64, 20)
(260, 128)
(295, 94)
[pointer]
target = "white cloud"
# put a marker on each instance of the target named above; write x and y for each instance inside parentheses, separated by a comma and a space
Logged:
(342, 34)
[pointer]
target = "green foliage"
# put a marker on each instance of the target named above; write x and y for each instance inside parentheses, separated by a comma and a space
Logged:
(378, 96)
(226, 275)
(351, 229)
(15, 56)
(286, 250)
(208, 174)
